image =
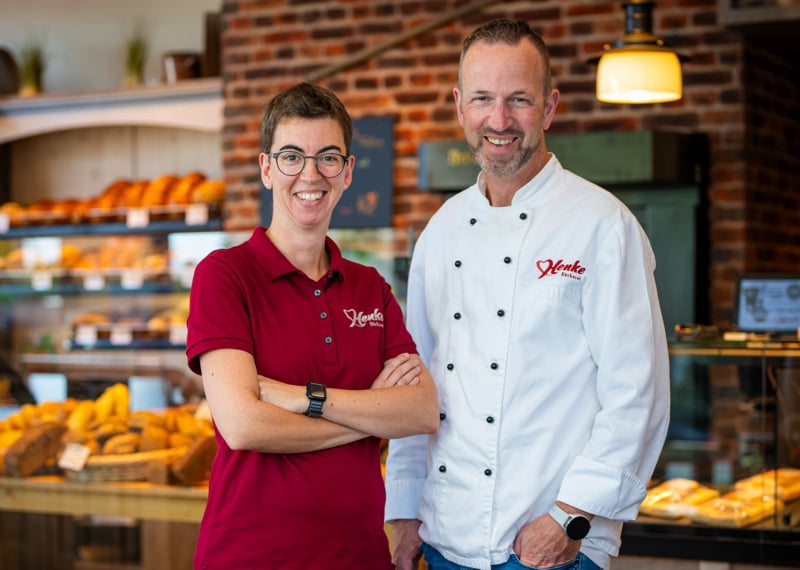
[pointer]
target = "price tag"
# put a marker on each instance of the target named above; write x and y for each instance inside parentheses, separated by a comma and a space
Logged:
(177, 334)
(132, 279)
(137, 218)
(4, 223)
(86, 334)
(74, 457)
(196, 215)
(41, 252)
(121, 335)
(41, 280)
(94, 282)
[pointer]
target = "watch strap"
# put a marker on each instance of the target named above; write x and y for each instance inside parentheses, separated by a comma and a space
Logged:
(575, 526)
(314, 408)
(560, 515)
(315, 401)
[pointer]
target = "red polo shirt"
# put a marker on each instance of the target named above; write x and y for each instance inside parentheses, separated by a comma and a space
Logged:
(305, 510)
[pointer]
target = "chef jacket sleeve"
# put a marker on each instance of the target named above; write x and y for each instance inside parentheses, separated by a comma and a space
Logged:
(626, 336)
(406, 464)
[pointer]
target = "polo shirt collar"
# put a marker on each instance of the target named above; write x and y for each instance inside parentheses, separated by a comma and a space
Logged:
(275, 264)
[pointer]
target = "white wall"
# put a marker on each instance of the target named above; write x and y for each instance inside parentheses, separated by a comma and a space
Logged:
(83, 39)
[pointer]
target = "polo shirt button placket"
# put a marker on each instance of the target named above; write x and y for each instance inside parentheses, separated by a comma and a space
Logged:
(323, 315)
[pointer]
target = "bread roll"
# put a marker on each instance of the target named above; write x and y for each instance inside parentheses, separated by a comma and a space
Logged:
(122, 444)
(154, 437)
(16, 213)
(111, 198)
(156, 192)
(181, 192)
(91, 319)
(209, 192)
(132, 195)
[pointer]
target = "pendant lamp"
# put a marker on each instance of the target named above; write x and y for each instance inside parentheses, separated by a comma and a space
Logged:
(639, 68)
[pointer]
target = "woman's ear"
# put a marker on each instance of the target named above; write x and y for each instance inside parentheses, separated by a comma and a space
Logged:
(264, 163)
(348, 172)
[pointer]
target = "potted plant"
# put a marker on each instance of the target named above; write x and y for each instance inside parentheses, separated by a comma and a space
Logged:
(135, 58)
(32, 63)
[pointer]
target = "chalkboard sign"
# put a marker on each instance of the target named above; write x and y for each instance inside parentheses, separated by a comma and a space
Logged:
(368, 201)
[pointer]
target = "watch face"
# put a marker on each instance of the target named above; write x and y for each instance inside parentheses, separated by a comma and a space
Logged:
(578, 527)
(316, 391)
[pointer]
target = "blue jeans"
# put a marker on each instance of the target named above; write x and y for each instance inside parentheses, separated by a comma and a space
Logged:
(438, 562)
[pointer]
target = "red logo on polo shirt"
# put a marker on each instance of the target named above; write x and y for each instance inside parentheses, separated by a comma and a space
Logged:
(361, 319)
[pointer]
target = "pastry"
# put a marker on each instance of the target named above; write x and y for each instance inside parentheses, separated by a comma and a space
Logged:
(181, 191)
(783, 483)
(156, 192)
(122, 444)
(209, 192)
(154, 437)
(675, 498)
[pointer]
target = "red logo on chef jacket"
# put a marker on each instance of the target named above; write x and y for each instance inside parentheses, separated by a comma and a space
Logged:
(361, 319)
(549, 267)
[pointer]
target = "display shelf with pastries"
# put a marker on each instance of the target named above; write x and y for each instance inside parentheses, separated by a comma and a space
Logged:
(96, 461)
(727, 485)
(54, 265)
(164, 329)
(81, 265)
(166, 203)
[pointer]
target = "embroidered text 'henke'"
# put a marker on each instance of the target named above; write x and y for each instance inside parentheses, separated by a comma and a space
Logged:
(549, 267)
(360, 319)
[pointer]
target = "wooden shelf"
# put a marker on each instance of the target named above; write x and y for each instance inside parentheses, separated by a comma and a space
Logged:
(53, 495)
(192, 104)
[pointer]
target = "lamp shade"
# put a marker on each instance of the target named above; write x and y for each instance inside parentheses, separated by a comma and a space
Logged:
(639, 74)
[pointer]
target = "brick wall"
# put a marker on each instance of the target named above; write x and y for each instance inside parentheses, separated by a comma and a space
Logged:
(270, 44)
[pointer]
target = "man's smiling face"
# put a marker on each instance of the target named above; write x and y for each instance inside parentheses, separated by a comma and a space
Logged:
(503, 109)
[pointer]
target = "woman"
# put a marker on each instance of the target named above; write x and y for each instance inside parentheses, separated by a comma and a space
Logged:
(306, 365)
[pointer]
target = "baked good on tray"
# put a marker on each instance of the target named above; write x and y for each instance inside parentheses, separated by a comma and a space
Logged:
(676, 498)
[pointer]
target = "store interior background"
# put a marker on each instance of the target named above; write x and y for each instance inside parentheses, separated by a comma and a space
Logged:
(740, 90)
(741, 94)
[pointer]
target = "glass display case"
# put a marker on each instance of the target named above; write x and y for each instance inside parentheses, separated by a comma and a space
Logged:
(727, 485)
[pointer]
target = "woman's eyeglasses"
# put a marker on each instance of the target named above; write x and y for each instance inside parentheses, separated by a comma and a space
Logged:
(292, 163)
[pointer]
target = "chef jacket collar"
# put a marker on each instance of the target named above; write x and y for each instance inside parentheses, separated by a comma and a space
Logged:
(530, 188)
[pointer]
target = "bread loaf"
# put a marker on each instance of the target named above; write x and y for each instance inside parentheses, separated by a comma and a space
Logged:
(39, 445)
(194, 465)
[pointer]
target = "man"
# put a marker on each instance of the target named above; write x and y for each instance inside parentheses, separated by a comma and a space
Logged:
(532, 300)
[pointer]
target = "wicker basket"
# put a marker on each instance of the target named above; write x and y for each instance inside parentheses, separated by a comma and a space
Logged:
(124, 467)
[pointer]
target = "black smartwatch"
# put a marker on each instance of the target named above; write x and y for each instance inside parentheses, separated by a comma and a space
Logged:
(317, 394)
(576, 527)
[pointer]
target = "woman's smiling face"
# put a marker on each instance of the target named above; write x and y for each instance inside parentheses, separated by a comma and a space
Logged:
(306, 199)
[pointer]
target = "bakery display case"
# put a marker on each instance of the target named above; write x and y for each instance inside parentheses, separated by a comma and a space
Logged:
(727, 485)
(107, 273)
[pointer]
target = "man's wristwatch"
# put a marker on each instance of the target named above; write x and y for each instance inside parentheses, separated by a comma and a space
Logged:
(317, 394)
(576, 527)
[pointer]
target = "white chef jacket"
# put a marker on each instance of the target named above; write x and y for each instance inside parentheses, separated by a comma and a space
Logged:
(541, 325)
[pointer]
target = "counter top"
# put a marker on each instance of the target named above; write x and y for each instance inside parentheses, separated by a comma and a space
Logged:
(54, 495)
